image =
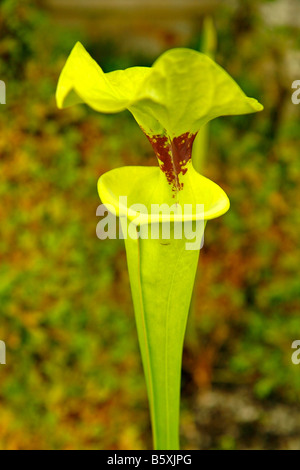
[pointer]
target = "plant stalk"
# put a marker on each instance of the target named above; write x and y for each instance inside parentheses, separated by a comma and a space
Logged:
(164, 272)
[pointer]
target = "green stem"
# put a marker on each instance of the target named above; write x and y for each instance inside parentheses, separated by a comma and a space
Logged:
(162, 276)
(208, 47)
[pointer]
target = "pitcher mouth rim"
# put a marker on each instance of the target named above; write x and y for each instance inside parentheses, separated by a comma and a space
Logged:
(111, 198)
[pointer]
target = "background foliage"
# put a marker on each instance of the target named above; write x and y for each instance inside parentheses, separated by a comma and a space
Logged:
(73, 378)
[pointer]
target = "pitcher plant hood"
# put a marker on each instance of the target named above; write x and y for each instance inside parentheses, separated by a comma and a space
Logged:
(182, 91)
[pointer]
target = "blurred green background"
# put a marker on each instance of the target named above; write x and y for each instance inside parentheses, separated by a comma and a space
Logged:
(73, 378)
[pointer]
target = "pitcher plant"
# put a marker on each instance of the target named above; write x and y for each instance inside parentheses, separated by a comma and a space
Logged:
(171, 101)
